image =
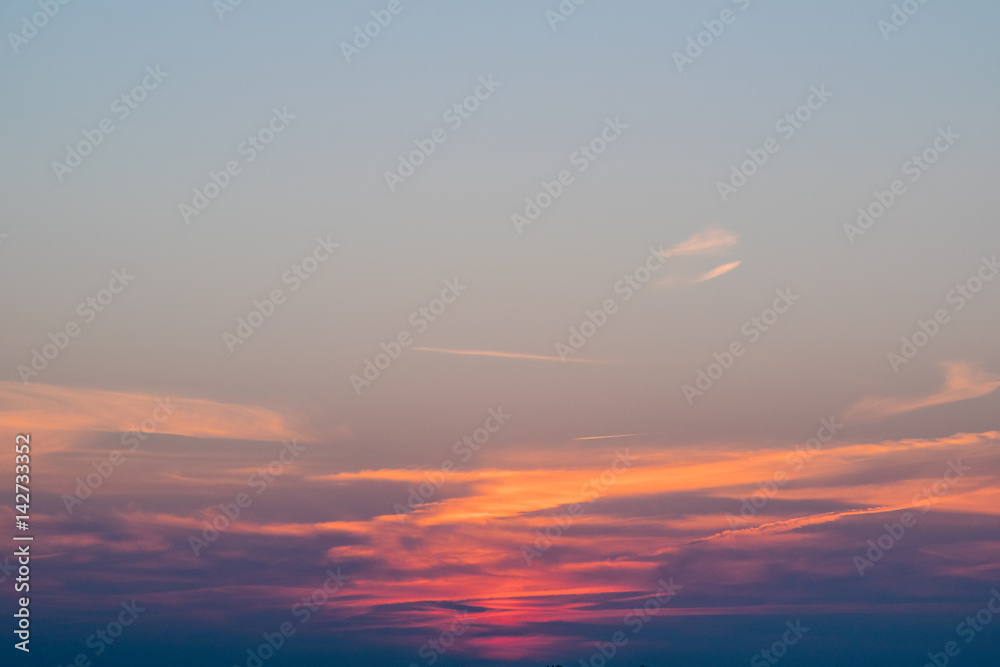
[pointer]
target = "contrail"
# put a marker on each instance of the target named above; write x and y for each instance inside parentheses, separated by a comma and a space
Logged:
(508, 355)
(718, 271)
(626, 435)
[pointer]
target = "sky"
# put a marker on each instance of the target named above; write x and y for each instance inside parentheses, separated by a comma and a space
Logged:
(504, 333)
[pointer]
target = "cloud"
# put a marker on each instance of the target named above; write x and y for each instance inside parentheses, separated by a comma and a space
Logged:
(688, 281)
(461, 548)
(625, 435)
(962, 382)
(24, 407)
(708, 242)
(801, 522)
(717, 271)
(508, 355)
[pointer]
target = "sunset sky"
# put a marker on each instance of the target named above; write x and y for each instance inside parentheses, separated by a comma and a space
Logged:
(506, 334)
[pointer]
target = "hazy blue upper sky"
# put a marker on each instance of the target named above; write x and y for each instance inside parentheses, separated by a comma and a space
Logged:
(656, 186)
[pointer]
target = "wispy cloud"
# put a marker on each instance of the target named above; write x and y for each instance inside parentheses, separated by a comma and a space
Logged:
(688, 281)
(708, 242)
(776, 527)
(717, 271)
(626, 435)
(509, 355)
(962, 382)
(52, 408)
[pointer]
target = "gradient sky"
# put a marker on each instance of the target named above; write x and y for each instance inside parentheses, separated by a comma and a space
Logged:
(651, 200)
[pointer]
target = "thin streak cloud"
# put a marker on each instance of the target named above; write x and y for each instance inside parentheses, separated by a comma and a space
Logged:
(717, 271)
(709, 242)
(607, 437)
(678, 281)
(787, 525)
(508, 355)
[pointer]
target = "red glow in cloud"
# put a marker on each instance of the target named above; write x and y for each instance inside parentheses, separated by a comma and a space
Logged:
(462, 548)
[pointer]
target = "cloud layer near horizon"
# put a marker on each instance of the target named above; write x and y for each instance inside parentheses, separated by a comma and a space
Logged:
(513, 535)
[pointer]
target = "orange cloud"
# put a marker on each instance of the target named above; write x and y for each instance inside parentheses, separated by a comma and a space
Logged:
(713, 242)
(962, 382)
(800, 522)
(463, 546)
(717, 271)
(709, 242)
(26, 407)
